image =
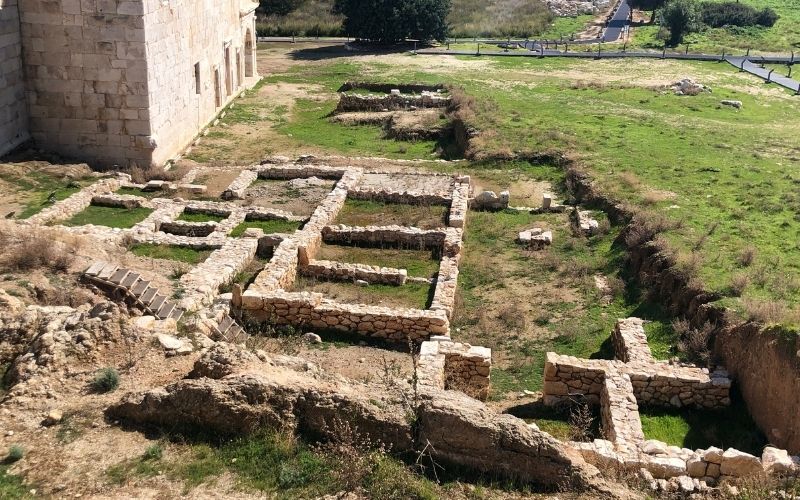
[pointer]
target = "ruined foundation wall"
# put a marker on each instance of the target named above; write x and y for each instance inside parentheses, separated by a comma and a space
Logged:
(311, 310)
(86, 79)
(445, 364)
(184, 33)
(13, 110)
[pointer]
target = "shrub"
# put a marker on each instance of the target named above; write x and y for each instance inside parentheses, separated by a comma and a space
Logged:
(33, 252)
(694, 343)
(153, 452)
(15, 453)
(738, 284)
(719, 14)
(106, 380)
(680, 17)
(746, 256)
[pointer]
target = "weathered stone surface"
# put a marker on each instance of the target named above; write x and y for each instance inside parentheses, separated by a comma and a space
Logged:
(251, 394)
(777, 462)
(739, 464)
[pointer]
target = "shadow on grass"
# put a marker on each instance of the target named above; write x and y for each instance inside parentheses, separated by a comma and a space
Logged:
(337, 50)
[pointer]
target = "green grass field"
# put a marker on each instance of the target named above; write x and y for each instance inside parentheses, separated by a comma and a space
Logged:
(39, 185)
(783, 37)
(170, 252)
(109, 216)
(727, 178)
(200, 217)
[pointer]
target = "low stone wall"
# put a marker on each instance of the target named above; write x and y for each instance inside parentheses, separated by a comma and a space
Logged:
(311, 310)
(77, 202)
(117, 201)
(399, 236)
(460, 202)
(654, 383)
(445, 364)
(297, 171)
(202, 283)
(391, 102)
(444, 295)
(630, 341)
(236, 189)
(281, 270)
(582, 222)
(405, 197)
(340, 271)
(619, 412)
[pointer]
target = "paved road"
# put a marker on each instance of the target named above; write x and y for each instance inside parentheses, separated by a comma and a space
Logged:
(616, 25)
(745, 64)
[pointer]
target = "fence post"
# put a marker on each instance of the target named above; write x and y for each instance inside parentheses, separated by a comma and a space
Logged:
(479, 48)
(748, 52)
(599, 48)
(687, 50)
(742, 67)
(790, 71)
(723, 55)
(664, 52)
(566, 48)
(769, 76)
(624, 46)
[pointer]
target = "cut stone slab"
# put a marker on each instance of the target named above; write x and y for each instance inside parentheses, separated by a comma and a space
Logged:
(169, 342)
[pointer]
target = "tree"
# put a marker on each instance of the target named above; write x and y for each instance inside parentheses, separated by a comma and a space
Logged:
(680, 17)
(651, 5)
(390, 21)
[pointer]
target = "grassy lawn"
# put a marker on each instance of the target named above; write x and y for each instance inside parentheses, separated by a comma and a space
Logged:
(12, 486)
(200, 217)
(36, 186)
(109, 216)
(420, 263)
(784, 36)
(375, 213)
(410, 295)
(268, 226)
(727, 178)
(170, 252)
(687, 428)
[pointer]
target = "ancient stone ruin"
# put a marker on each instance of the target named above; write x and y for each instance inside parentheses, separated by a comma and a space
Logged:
(634, 377)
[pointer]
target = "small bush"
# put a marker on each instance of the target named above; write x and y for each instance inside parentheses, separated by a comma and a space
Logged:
(35, 252)
(719, 14)
(738, 284)
(694, 343)
(141, 175)
(153, 452)
(106, 380)
(15, 453)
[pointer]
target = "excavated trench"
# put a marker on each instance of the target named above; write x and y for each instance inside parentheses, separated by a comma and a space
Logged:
(764, 361)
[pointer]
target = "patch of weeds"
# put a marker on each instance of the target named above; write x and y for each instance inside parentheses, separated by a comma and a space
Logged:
(170, 252)
(148, 465)
(70, 429)
(123, 218)
(12, 486)
(106, 380)
(268, 226)
(15, 454)
(418, 263)
(411, 295)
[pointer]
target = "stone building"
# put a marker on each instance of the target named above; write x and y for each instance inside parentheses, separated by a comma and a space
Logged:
(120, 81)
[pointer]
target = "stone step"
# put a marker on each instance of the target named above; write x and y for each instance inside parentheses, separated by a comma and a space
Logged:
(157, 302)
(95, 268)
(226, 323)
(176, 314)
(165, 310)
(148, 295)
(118, 276)
(107, 271)
(140, 287)
(129, 280)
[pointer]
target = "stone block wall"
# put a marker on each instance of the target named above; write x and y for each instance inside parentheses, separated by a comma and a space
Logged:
(445, 364)
(215, 38)
(460, 202)
(13, 111)
(401, 236)
(341, 271)
(86, 79)
(305, 309)
(654, 383)
(630, 341)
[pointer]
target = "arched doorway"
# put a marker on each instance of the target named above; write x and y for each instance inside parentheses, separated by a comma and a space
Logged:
(249, 58)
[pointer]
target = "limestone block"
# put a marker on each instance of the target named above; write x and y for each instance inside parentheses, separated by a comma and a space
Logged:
(739, 464)
(777, 462)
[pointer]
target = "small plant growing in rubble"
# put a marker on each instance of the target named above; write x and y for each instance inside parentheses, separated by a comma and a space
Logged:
(106, 380)
(15, 453)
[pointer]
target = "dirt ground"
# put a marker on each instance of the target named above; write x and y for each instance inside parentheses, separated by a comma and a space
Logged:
(292, 197)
